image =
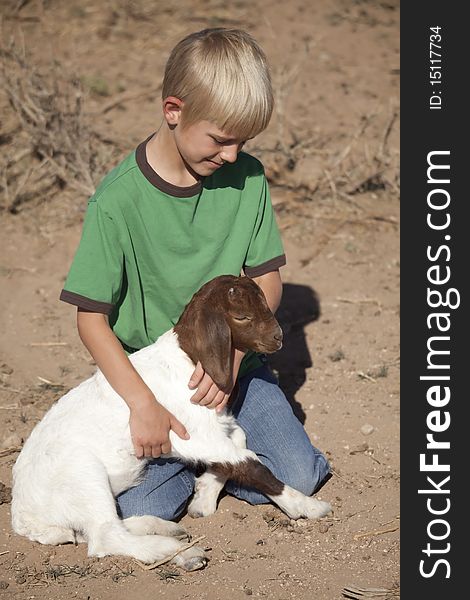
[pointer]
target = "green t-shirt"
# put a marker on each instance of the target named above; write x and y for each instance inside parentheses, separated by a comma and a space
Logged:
(147, 246)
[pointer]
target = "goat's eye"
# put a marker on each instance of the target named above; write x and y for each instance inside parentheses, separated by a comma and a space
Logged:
(241, 318)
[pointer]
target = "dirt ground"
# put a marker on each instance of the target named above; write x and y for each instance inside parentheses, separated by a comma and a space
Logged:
(331, 155)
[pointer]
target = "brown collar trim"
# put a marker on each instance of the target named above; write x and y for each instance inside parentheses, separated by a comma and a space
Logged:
(157, 181)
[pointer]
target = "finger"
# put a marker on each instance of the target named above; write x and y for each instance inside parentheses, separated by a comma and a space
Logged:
(148, 451)
(217, 400)
(179, 428)
(223, 404)
(196, 377)
(210, 396)
(156, 452)
(166, 448)
(202, 390)
(139, 450)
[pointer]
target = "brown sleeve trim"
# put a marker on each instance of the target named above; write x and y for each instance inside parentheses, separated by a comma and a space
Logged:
(270, 265)
(86, 303)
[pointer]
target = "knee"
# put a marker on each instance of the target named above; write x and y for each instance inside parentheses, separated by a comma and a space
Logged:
(168, 500)
(305, 471)
(170, 511)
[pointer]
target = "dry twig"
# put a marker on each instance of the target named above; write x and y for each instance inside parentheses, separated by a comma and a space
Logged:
(168, 558)
(46, 344)
(126, 97)
(374, 532)
(9, 451)
(357, 593)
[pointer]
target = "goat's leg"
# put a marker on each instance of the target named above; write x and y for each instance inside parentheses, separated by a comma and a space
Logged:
(210, 483)
(113, 538)
(251, 472)
(207, 490)
(150, 525)
(108, 535)
(89, 505)
(52, 535)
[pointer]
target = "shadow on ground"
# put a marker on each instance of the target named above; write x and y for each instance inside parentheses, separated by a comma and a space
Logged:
(299, 306)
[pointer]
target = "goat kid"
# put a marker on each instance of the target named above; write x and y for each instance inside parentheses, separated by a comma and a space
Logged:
(80, 456)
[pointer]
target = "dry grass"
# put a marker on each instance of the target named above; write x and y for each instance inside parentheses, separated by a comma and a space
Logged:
(49, 144)
(348, 166)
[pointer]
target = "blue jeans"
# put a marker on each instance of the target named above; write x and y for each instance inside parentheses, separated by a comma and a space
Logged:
(272, 431)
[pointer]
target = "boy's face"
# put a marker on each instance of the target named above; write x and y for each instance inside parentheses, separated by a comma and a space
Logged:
(205, 148)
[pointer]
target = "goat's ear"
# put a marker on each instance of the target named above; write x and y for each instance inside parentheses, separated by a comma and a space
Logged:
(215, 347)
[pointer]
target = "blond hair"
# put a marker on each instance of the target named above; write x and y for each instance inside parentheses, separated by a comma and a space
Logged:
(222, 76)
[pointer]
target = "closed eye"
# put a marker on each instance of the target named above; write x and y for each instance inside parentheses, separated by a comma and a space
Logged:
(227, 142)
(241, 318)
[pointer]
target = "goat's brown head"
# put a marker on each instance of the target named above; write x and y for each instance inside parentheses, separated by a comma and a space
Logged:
(227, 312)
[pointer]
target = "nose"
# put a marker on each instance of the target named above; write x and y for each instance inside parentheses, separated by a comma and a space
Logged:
(229, 153)
(278, 335)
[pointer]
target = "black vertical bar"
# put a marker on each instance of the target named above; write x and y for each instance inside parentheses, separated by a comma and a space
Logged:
(434, 272)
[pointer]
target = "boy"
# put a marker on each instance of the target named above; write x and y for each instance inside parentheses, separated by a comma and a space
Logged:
(186, 206)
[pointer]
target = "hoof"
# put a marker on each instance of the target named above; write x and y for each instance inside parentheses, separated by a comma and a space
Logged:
(181, 534)
(195, 514)
(191, 559)
(202, 505)
(194, 564)
(325, 509)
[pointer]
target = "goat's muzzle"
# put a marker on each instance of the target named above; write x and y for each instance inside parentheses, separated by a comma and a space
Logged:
(272, 341)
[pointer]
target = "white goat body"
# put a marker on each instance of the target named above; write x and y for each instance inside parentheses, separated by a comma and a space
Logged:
(85, 436)
(80, 456)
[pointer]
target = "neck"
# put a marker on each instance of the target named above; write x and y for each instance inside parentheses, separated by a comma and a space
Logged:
(165, 159)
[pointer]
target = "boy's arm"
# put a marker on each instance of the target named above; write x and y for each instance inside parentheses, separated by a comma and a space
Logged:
(271, 284)
(208, 394)
(149, 421)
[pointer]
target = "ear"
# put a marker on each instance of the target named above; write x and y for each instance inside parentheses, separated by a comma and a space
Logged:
(172, 108)
(214, 347)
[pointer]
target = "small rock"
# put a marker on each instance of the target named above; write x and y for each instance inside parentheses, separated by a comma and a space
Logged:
(239, 516)
(248, 591)
(336, 356)
(5, 494)
(5, 369)
(361, 448)
(30, 399)
(323, 527)
(367, 429)
(4, 584)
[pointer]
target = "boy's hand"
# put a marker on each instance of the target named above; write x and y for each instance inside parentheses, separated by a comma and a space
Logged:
(208, 394)
(150, 425)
